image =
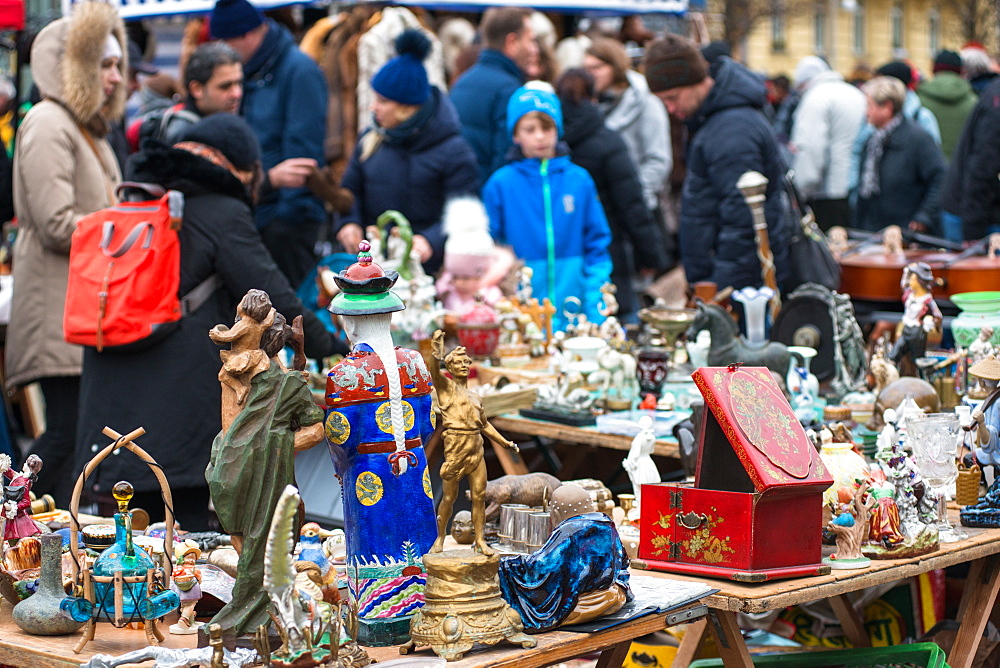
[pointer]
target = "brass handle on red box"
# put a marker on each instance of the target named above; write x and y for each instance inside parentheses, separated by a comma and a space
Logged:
(692, 520)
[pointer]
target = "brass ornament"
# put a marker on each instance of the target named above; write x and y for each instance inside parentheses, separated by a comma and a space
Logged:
(463, 606)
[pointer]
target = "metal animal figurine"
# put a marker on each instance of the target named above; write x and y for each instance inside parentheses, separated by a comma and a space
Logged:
(729, 348)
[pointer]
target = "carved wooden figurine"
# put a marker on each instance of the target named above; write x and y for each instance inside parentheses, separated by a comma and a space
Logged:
(252, 460)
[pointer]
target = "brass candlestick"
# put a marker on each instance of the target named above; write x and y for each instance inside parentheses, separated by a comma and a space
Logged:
(627, 503)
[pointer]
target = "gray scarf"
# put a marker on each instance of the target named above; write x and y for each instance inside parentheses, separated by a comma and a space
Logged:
(870, 186)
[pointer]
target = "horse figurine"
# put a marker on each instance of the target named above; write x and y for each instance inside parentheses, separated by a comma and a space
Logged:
(728, 347)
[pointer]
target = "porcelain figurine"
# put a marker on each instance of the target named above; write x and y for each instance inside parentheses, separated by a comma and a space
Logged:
(850, 527)
(884, 524)
(611, 329)
(837, 240)
(463, 424)
(619, 380)
(639, 462)
(378, 418)
(186, 583)
(883, 370)
(300, 626)
(986, 417)
(920, 314)
(268, 413)
(17, 500)
(310, 548)
(579, 574)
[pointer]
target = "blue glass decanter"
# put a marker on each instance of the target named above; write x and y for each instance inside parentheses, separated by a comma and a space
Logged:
(125, 556)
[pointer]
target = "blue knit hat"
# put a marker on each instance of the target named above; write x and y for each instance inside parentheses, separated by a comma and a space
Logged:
(404, 79)
(534, 96)
(233, 18)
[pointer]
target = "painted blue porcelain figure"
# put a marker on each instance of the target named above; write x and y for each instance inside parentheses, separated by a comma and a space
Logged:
(580, 574)
(376, 425)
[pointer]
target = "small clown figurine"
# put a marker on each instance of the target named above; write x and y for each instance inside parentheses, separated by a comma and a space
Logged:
(186, 583)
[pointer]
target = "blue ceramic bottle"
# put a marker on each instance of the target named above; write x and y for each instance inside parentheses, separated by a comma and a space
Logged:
(125, 556)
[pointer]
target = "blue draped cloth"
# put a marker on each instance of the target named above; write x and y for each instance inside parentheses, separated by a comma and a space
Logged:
(582, 555)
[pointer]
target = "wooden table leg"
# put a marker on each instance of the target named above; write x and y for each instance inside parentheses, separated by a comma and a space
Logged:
(729, 639)
(690, 643)
(980, 594)
(850, 621)
(614, 656)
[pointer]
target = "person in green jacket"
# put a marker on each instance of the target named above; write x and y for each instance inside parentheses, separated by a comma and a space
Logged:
(949, 97)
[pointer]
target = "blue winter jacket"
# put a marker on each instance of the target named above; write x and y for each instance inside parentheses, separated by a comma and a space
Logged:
(730, 136)
(480, 96)
(548, 211)
(415, 176)
(284, 101)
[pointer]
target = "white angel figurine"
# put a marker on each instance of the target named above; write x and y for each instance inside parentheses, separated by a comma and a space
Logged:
(639, 463)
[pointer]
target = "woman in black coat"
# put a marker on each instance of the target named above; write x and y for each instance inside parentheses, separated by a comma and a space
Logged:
(636, 239)
(901, 166)
(171, 387)
(414, 158)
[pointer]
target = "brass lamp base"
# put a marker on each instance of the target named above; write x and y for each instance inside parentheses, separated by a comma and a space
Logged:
(463, 606)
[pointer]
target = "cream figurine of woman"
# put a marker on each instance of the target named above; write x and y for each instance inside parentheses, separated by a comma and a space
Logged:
(639, 463)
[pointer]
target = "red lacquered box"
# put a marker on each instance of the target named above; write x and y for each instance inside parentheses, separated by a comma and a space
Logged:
(755, 510)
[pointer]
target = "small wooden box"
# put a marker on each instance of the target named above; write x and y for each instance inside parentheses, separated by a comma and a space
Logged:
(755, 510)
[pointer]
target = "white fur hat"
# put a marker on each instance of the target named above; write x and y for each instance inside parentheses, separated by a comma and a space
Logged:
(469, 248)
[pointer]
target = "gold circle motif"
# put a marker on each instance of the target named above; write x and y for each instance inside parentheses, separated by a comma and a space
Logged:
(369, 488)
(338, 429)
(427, 484)
(383, 417)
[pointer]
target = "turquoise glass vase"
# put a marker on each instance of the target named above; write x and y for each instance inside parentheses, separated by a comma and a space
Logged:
(125, 556)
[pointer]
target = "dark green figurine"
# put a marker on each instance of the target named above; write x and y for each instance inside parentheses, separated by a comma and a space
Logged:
(267, 413)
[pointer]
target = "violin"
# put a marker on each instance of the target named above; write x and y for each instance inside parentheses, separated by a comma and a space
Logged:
(875, 275)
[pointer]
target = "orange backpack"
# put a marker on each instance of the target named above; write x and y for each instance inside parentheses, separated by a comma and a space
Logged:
(124, 273)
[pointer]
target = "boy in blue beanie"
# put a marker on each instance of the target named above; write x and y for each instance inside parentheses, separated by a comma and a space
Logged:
(546, 208)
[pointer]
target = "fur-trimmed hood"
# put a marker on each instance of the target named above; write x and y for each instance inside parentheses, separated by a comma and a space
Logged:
(66, 63)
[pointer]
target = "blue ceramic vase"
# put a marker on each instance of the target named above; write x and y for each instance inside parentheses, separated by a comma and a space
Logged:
(44, 612)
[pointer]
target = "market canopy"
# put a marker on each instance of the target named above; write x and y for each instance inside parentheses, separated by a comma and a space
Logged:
(140, 9)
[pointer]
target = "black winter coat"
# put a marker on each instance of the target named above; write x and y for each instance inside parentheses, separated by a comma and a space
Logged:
(415, 176)
(636, 239)
(729, 136)
(971, 189)
(171, 388)
(909, 181)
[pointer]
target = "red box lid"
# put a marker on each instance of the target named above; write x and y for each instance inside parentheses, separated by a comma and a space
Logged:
(749, 410)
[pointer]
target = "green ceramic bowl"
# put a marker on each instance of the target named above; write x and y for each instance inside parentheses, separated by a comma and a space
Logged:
(977, 302)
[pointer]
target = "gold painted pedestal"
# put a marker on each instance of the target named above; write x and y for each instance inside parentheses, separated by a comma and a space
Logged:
(463, 606)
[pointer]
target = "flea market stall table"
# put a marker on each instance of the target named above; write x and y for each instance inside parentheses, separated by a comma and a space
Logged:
(20, 649)
(981, 550)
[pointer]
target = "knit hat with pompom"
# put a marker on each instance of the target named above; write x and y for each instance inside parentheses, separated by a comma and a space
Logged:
(404, 79)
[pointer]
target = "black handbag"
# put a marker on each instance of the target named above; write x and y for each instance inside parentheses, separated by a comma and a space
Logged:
(808, 249)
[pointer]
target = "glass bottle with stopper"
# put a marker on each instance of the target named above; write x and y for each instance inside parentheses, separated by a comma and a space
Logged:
(124, 556)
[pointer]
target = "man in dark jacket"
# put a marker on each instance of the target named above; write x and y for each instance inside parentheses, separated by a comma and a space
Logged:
(971, 187)
(722, 107)
(480, 96)
(284, 101)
